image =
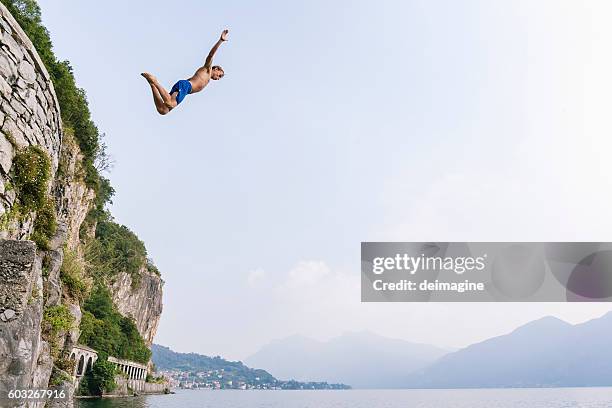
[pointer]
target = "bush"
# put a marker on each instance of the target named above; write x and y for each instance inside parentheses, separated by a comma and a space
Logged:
(65, 364)
(59, 377)
(99, 379)
(32, 171)
(45, 225)
(57, 319)
(31, 174)
(46, 265)
(72, 275)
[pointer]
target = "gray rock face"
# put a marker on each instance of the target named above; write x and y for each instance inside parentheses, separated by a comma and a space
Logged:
(24, 356)
(29, 115)
(143, 302)
(73, 197)
(51, 285)
(17, 260)
(72, 338)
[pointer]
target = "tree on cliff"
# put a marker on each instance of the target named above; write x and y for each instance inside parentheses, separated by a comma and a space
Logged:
(99, 379)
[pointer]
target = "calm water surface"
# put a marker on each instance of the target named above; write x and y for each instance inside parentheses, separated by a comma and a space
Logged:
(506, 398)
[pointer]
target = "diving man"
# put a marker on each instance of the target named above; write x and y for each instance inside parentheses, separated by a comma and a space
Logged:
(166, 101)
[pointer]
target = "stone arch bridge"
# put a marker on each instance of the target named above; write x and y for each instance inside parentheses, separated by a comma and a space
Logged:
(84, 358)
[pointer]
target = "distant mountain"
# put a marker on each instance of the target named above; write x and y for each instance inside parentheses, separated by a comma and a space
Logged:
(545, 353)
(362, 360)
(193, 370)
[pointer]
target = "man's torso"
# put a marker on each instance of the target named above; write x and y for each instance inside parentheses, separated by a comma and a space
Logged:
(200, 79)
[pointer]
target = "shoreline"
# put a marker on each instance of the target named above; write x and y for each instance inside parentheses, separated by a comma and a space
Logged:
(121, 396)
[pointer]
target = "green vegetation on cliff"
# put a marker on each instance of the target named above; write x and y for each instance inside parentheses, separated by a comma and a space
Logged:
(115, 249)
(121, 248)
(72, 275)
(31, 173)
(45, 225)
(56, 321)
(104, 329)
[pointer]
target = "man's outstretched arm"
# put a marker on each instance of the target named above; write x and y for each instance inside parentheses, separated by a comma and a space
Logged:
(214, 49)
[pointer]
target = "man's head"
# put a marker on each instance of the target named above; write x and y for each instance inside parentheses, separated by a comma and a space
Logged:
(216, 72)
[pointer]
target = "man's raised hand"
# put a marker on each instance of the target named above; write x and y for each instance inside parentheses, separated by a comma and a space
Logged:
(224, 34)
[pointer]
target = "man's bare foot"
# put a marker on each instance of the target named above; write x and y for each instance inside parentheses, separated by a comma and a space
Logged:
(148, 77)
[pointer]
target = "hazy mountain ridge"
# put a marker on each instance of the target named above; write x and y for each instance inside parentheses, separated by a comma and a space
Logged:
(363, 359)
(544, 353)
(548, 352)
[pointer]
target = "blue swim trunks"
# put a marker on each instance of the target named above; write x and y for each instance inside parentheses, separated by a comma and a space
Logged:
(183, 87)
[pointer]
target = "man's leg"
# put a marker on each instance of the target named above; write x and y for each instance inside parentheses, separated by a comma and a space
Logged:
(164, 102)
(159, 102)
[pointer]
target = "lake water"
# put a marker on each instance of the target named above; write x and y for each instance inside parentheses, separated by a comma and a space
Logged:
(497, 398)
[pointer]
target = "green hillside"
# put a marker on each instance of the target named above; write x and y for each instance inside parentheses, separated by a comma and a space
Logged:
(198, 371)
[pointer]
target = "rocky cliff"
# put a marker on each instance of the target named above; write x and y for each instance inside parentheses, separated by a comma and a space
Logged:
(29, 112)
(49, 207)
(141, 301)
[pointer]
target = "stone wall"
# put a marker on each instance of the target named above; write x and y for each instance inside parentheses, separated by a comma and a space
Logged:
(155, 388)
(29, 110)
(127, 387)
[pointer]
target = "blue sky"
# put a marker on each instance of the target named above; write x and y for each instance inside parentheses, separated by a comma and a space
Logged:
(336, 123)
